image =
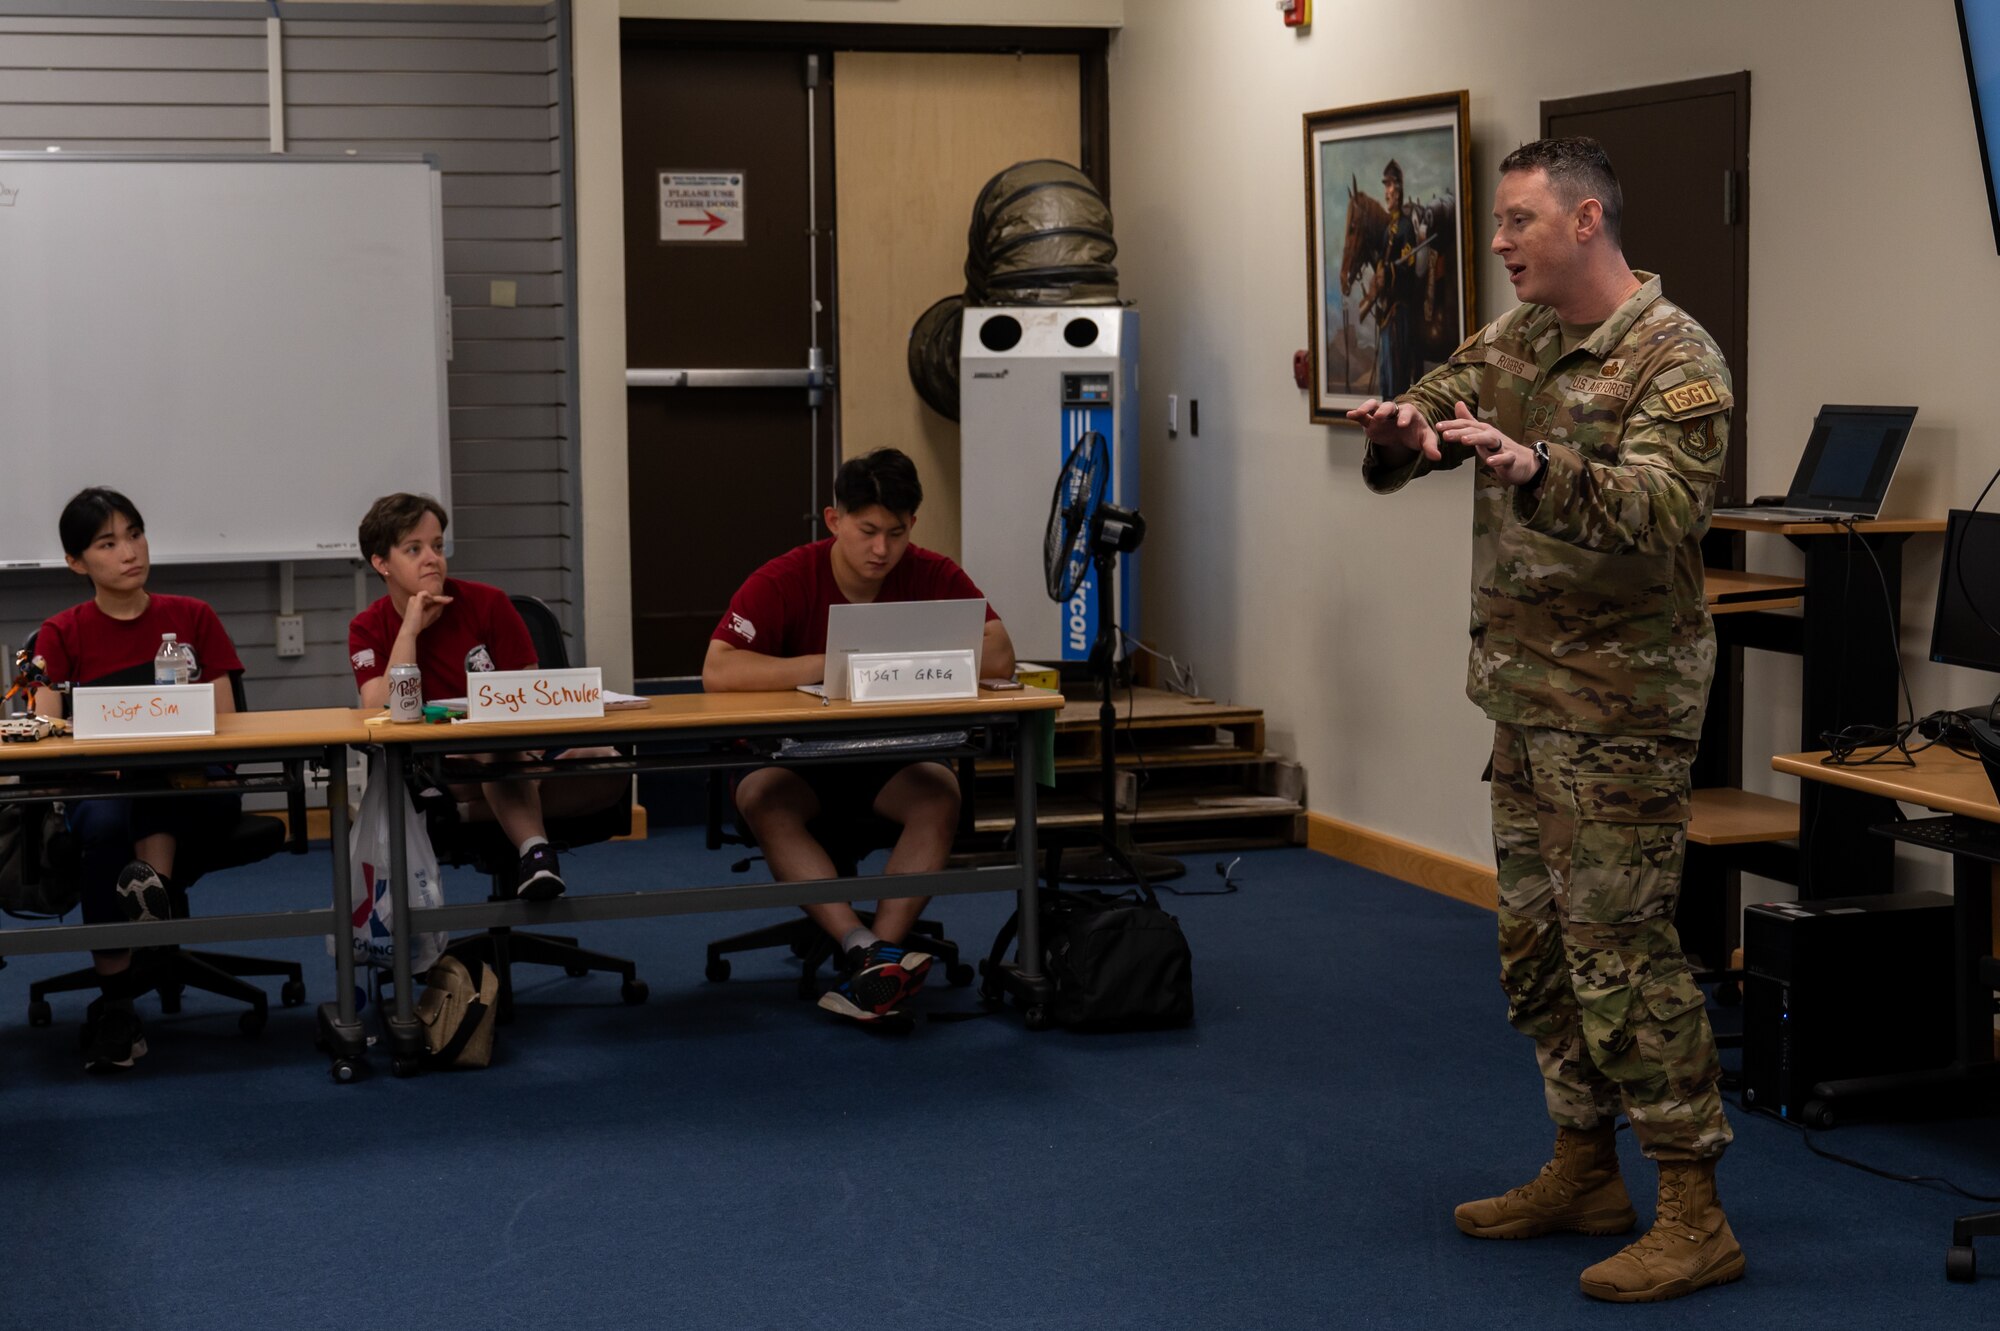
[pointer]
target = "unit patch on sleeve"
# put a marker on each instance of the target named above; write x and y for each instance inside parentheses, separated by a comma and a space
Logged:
(1699, 439)
(1690, 395)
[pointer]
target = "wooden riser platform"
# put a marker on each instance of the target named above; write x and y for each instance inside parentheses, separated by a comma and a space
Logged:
(1205, 780)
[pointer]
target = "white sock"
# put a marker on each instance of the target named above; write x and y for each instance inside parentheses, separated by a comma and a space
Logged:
(530, 844)
(859, 936)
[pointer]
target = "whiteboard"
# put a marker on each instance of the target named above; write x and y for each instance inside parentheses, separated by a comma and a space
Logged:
(253, 349)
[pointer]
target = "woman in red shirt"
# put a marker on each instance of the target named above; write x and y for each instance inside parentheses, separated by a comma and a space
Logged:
(127, 844)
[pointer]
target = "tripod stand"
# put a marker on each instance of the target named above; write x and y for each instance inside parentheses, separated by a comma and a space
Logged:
(1115, 859)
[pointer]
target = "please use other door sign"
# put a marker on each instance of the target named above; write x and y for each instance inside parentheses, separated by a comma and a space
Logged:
(701, 206)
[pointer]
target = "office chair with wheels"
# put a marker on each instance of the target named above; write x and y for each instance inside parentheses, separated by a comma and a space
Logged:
(173, 969)
(485, 847)
(846, 845)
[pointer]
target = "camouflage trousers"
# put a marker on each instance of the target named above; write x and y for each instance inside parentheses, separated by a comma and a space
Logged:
(1589, 832)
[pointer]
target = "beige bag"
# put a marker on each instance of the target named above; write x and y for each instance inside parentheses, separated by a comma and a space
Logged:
(457, 1009)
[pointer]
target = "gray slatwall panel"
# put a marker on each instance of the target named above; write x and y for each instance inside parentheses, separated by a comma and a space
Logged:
(476, 519)
(500, 487)
(501, 324)
(503, 256)
(364, 55)
(518, 32)
(505, 423)
(482, 98)
(163, 27)
(261, 631)
(65, 124)
(319, 89)
(107, 86)
(545, 552)
(205, 146)
(500, 390)
(402, 124)
(55, 52)
(535, 455)
(487, 156)
(462, 191)
(266, 694)
(470, 356)
(502, 224)
(475, 291)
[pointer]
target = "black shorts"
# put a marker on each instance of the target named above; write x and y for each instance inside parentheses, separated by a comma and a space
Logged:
(846, 791)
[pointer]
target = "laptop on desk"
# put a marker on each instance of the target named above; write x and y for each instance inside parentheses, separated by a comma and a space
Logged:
(897, 626)
(1849, 460)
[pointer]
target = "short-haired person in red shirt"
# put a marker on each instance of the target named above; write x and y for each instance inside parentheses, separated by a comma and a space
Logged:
(450, 628)
(773, 636)
(127, 845)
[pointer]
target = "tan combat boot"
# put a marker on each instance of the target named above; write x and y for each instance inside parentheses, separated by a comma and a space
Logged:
(1579, 1191)
(1689, 1245)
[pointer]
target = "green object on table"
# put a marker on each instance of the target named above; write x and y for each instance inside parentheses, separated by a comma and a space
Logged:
(435, 713)
(1044, 724)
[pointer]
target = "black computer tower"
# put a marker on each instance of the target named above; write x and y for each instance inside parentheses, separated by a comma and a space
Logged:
(1843, 987)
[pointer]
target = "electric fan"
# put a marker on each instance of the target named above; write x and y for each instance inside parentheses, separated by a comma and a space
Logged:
(1084, 531)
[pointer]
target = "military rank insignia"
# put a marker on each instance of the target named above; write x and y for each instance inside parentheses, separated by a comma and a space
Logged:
(1699, 438)
(1688, 396)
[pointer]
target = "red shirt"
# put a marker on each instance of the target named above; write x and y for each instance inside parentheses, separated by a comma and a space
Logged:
(83, 645)
(780, 610)
(479, 631)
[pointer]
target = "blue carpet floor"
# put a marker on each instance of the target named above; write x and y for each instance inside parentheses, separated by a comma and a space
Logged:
(728, 1157)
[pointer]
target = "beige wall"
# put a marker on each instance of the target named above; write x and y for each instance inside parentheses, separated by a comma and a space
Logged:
(1873, 278)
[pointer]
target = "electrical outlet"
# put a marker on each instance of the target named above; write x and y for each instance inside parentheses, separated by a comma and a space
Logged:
(291, 635)
(1173, 413)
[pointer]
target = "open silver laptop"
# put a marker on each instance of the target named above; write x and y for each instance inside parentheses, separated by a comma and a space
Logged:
(1845, 471)
(897, 626)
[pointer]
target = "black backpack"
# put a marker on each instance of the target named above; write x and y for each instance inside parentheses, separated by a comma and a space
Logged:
(1116, 962)
(39, 862)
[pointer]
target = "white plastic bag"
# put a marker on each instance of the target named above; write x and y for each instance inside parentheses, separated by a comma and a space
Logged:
(370, 910)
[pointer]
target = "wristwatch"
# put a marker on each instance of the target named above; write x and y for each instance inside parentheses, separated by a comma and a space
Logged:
(1541, 464)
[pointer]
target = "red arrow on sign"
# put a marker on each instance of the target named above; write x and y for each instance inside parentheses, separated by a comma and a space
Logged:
(707, 222)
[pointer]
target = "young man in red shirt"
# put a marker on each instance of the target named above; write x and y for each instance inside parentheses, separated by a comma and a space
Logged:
(127, 845)
(773, 636)
(450, 628)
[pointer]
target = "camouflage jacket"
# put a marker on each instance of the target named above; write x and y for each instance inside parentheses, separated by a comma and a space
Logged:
(1588, 611)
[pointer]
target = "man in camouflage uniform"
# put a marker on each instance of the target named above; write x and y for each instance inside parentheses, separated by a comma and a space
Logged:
(1598, 415)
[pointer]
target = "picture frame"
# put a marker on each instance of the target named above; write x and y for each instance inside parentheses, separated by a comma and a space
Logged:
(1376, 323)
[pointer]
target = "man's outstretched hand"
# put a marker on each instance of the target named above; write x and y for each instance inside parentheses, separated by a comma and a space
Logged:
(1396, 425)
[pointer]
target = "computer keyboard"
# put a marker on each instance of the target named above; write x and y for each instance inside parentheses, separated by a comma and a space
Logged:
(927, 742)
(1958, 836)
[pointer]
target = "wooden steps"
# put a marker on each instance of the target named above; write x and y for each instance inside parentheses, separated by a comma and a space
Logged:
(1200, 777)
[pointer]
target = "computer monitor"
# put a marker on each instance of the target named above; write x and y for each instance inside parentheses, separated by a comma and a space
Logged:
(1967, 629)
(1979, 36)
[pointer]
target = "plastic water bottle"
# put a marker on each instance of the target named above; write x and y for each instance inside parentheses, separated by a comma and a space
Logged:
(172, 663)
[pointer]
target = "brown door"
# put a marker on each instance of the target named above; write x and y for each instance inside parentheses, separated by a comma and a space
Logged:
(727, 272)
(1682, 153)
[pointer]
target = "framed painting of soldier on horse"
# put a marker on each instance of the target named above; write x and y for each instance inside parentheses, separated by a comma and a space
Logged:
(1388, 246)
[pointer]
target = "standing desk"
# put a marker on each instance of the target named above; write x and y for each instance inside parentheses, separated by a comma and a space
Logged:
(1956, 786)
(74, 769)
(1842, 637)
(713, 729)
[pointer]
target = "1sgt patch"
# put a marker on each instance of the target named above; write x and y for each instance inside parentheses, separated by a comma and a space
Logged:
(1700, 440)
(1691, 395)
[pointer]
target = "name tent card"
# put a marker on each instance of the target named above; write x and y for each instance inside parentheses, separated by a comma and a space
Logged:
(154, 710)
(534, 695)
(911, 676)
